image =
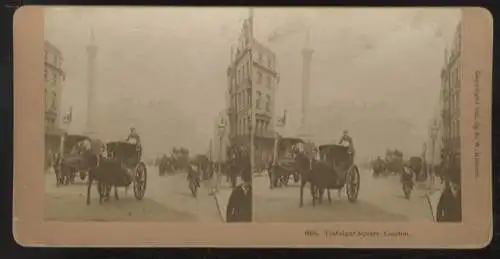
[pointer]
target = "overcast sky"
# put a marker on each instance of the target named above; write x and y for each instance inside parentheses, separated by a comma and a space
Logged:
(366, 56)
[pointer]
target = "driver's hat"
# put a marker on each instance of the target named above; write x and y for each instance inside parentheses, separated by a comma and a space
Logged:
(345, 131)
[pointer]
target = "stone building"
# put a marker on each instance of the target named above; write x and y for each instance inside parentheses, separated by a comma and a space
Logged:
(251, 86)
(451, 76)
(53, 82)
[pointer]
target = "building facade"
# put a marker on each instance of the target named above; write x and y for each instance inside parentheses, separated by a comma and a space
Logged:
(53, 82)
(251, 85)
(451, 76)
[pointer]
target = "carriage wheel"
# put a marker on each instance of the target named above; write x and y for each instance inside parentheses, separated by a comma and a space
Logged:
(352, 184)
(140, 181)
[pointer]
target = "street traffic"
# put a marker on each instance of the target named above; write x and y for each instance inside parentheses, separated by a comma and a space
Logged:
(380, 199)
(167, 198)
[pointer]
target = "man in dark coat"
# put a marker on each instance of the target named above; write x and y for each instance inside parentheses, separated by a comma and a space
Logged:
(449, 208)
(239, 207)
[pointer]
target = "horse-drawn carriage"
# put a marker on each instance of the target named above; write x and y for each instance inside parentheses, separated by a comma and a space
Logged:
(283, 165)
(334, 170)
(165, 165)
(379, 167)
(78, 155)
(120, 168)
(394, 161)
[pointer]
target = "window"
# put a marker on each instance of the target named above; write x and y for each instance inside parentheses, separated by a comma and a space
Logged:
(260, 58)
(270, 62)
(238, 77)
(249, 98)
(268, 81)
(45, 76)
(54, 99)
(45, 96)
(238, 128)
(45, 55)
(259, 77)
(268, 103)
(53, 78)
(243, 126)
(259, 95)
(241, 100)
(248, 69)
(238, 101)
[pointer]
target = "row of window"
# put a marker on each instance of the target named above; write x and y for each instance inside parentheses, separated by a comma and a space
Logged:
(260, 60)
(52, 58)
(50, 122)
(267, 102)
(242, 101)
(50, 76)
(51, 98)
(453, 131)
(243, 74)
(242, 127)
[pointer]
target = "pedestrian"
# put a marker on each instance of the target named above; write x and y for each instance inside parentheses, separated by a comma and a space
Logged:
(239, 207)
(449, 208)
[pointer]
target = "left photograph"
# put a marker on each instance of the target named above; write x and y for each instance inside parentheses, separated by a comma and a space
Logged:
(137, 124)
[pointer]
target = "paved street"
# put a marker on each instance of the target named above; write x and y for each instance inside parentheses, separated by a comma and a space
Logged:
(379, 200)
(167, 198)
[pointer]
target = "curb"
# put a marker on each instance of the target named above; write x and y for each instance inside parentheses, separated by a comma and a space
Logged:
(220, 210)
(221, 204)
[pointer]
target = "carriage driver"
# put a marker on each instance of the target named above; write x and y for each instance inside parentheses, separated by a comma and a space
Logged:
(350, 144)
(133, 137)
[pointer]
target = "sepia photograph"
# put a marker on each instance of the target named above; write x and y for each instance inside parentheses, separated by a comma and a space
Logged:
(367, 116)
(304, 127)
(136, 121)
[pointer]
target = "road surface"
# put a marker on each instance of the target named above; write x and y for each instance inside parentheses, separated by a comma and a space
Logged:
(379, 200)
(167, 198)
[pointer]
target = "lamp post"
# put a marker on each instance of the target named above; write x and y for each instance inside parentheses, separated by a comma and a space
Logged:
(221, 130)
(434, 132)
(251, 142)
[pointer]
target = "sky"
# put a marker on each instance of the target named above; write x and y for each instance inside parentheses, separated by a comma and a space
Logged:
(178, 56)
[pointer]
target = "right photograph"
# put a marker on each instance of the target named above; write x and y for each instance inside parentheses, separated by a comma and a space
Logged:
(363, 120)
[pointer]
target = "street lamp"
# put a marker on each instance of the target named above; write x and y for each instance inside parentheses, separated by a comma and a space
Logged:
(221, 130)
(250, 134)
(434, 133)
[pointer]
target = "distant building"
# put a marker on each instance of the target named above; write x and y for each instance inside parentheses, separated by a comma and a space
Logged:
(53, 80)
(451, 78)
(251, 85)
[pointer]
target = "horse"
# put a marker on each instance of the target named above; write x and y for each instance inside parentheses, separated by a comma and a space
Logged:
(321, 176)
(109, 174)
(66, 168)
